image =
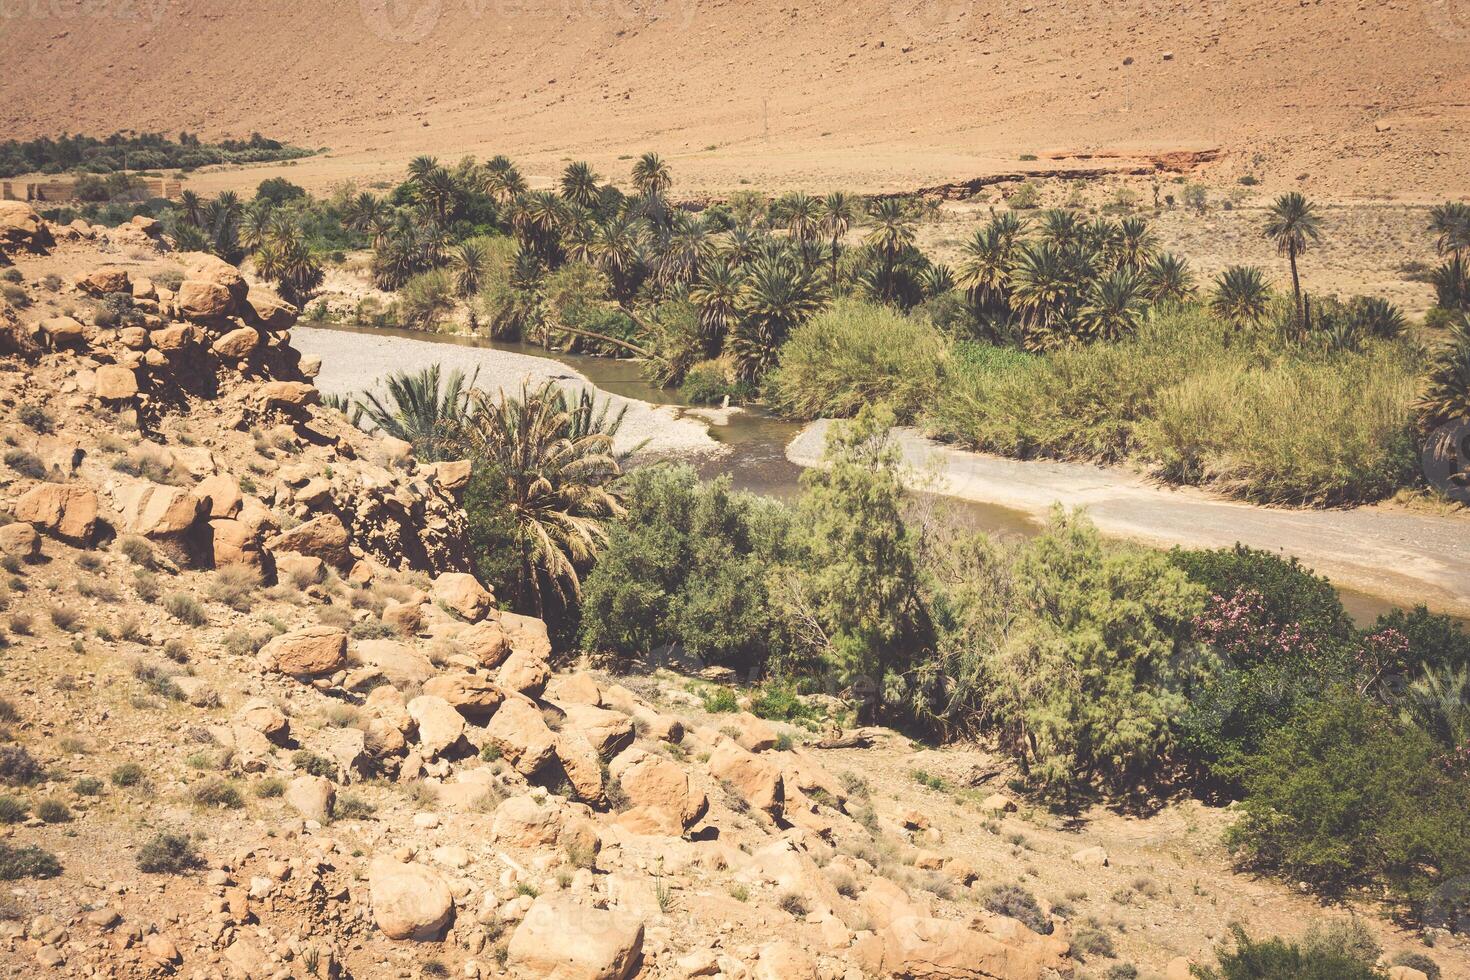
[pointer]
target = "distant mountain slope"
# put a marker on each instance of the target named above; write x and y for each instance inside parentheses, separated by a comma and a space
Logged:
(1362, 98)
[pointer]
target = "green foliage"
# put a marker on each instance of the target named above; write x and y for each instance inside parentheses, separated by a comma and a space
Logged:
(853, 354)
(312, 764)
(1282, 636)
(1017, 903)
(1088, 689)
(1341, 796)
(27, 861)
(425, 300)
(1277, 959)
(18, 768)
(141, 151)
(428, 409)
(860, 580)
(691, 565)
(168, 854)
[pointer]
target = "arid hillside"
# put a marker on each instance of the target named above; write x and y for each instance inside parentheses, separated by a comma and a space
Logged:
(1350, 99)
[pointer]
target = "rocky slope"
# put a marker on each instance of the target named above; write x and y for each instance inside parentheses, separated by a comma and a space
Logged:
(250, 626)
(259, 721)
(876, 95)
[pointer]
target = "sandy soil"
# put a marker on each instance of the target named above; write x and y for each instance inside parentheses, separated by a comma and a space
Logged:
(1408, 558)
(878, 94)
(354, 362)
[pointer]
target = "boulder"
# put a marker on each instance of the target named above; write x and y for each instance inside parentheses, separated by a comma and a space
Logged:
(288, 394)
(463, 595)
(485, 641)
(115, 382)
(522, 821)
(1091, 857)
(63, 331)
(526, 634)
(757, 780)
(925, 948)
(170, 339)
(307, 652)
(233, 542)
(405, 617)
(67, 510)
(200, 300)
(298, 569)
(266, 310)
(409, 901)
(158, 511)
(524, 673)
(144, 289)
(582, 766)
(323, 537)
(223, 492)
(440, 726)
(784, 960)
(754, 734)
(400, 663)
(998, 803)
(100, 282)
(20, 540)
(609, 732)
(237, 345)
(312, 797)
(520, 732)
(473, 695)
(452, 475)
(562, 939)
(266, 718)
(663, 798)
(21, 227)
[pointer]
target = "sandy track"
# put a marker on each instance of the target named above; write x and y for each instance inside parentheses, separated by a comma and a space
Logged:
(354, 362)
(1408, 558)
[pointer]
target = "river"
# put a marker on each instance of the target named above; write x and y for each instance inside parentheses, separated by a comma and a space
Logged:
(758, 452)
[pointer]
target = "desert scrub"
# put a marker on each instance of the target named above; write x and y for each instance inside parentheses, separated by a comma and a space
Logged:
(168, 854)
(27, 861)
(127, 774)
(13, 809)
(217, 793)
(53, 811)
(1019, 904)
(233, 586)
(856, 353)
(185, 608)
(18, 768)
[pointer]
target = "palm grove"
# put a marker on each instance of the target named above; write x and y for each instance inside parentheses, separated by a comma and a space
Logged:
(1101, 668)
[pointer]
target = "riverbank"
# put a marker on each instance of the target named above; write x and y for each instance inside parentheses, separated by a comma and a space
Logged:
(1407, 558)
(354, 361)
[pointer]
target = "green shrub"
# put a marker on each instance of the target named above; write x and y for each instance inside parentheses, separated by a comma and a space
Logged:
(710, 383)
(87, 786)
(689, 565)
(185, 608)
(1017, 903)
(1282, 635)
(13, 810)
(27, 861)
(1418, 961)
(217, 793)
(18, 768)
(854, 354)
(127, 774)
(1341, 796)
(311, 763)
(1277, 959)
(427, 299)
(53, 811)
(780, 702)
(719, 700)
(168, 854)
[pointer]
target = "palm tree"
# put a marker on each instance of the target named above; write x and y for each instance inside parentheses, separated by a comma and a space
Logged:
(420, 167)
(651, 176)
(802, 213)
(192, 208)
(366, 214)
(255, 225)
(579, 184)
(682, 250)
(1241, 295)
(1293, 226)
(1450, 223)
(468, 263)
(1446, 392)
(285, 258)
(1133, 246)
(779, 294)
(1062, 228)
(1113, 307)
(503, 181)
(936, 279)
(1439, 703)
(1042, 289)
(717, 295)
(985, 271)
(835, 217)
(555, 464)
(1167, 280)
(425, 409)
(617, 249)
(437, 192)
